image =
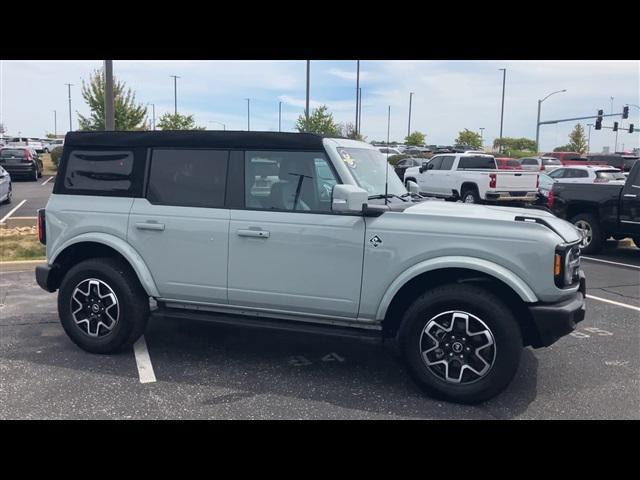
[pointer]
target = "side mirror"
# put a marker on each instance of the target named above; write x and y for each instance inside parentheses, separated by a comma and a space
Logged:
(348, 198)
(424, 166)
(413, 187)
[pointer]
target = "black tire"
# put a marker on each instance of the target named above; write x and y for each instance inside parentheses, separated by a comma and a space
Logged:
(10, 193)
(592, 224)
(132, 300)
(39, 173)
(470, 195)
(636, 240)
(498, 319)
(34, 175)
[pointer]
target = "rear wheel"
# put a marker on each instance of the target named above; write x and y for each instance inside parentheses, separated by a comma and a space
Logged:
(470, 196)
(592, 235)
(461, 343)
(102, 306)
(9, 194)
(34, 175)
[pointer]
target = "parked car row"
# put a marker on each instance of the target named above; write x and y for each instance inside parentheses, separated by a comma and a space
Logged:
(40, 145)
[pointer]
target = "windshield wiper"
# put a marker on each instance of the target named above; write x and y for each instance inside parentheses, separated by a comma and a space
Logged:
(382, 195)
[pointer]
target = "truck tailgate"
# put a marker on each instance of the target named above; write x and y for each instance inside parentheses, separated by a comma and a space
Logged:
(516, 180)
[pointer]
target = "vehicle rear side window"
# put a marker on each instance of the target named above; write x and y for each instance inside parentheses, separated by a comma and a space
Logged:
(188, 178)
(447, 163)
(98, 172)
(477, 162)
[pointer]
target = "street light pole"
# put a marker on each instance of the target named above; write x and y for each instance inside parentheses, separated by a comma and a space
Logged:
(611, 105)
(538, 121)
(109, 105)
(589, 137)
(409, 125)
(69, 85)
(357, 96)
(306, 110)
(504, 79)
(279, 116)
(175, 93)
(359, 110)
(248, 115)
(55, 125)
(224, 127)
(153, 110)
(482, 136)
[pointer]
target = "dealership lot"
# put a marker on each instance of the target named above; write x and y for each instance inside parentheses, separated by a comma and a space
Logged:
(211, 371)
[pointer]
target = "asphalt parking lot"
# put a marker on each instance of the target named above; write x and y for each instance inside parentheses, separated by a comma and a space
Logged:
(28, 197)
(203, 371)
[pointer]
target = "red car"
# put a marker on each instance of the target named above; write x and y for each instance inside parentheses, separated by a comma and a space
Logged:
(506, 163)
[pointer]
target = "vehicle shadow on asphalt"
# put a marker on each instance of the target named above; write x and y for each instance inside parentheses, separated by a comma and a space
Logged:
(344, 373)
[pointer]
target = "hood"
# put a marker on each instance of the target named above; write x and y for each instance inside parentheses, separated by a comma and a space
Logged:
(564, 229)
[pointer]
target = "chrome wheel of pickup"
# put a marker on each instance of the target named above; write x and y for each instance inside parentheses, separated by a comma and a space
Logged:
(587, 232)
(94, 307)
(458, 347)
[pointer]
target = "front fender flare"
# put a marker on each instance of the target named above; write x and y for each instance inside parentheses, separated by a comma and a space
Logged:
(470, 263)
(123, 248)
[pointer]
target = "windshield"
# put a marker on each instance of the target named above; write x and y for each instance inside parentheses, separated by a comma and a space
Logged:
(367, 167)
(611, 175)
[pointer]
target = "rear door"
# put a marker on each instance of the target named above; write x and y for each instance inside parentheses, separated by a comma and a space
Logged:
(181, 227)
(630, 204)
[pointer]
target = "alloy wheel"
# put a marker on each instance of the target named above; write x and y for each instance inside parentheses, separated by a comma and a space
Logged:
(587, 232)
(94, 307)
(457, 347)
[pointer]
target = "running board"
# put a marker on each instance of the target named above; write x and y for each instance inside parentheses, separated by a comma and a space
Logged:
(364, 335)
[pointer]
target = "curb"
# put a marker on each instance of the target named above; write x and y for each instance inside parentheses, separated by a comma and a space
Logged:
(19, 265)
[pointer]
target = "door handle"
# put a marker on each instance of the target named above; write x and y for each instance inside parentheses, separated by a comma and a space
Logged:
(253, 233)
(630, 195)
(150, 226)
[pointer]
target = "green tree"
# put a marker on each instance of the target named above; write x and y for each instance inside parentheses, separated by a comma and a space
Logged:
(564, 148)
(176, 121)
(128, 115)
(348, 130)
(320, 122)
(577, 140)
(415, 138)
(508, 143)
(467, 137)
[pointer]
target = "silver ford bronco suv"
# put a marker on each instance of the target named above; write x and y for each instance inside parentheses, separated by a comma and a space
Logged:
(299, 232)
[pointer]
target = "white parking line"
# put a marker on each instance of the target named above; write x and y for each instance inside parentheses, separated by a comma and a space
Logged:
(143, 361)
(624, 305)
(614, 263)
(47, 181)
(12, 211)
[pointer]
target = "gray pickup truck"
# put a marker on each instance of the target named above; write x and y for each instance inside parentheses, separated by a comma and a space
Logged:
(305, 233)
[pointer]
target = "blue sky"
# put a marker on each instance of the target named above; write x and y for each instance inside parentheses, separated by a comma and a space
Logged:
(449, 95)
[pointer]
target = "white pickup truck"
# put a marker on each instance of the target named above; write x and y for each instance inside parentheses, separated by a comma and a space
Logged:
(472, 178)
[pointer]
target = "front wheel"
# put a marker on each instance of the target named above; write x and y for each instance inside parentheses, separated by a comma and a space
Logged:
(461, 343)
(102, 306)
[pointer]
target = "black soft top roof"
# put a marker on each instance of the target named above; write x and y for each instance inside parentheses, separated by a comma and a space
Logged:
(196, 139)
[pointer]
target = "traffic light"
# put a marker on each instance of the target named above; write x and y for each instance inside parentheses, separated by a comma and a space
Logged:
(615, 126)
(599, 120)
(631, 128)
(625, 112)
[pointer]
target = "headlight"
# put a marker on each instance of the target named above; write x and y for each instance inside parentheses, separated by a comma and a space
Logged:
(566, 265)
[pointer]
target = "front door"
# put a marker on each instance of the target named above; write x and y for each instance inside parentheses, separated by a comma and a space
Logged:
(430, 177)
(287, 251)
(181, 228)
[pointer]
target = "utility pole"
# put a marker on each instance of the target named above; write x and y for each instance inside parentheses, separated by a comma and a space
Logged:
(55, 125)
(279, 116)
(357, 96)
(504, 78)
(69, 85)
(175, 93)
(359, 110)
(306, 111)
(409, 126)
(248, 115)
(153, 110)
(109, 114)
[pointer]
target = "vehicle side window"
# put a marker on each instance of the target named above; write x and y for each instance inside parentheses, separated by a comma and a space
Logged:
(447, 163)
(188, 178)
(529, 161)
(300, 181)
(581, 174)
(436, 162)
(558, 173)
(101, 172)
